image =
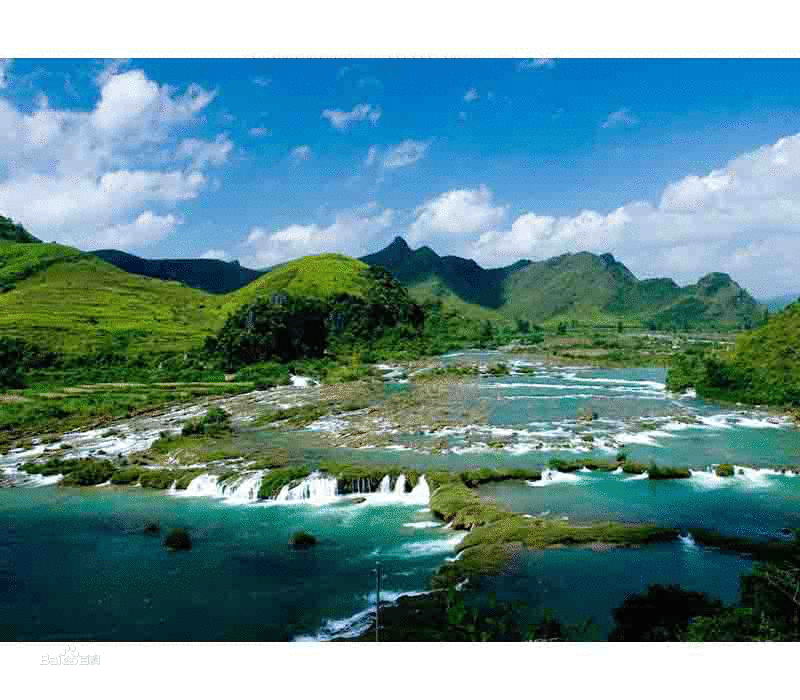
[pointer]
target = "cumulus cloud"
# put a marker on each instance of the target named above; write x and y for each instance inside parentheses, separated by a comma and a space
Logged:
(455, 216)
(406, 153)
(471, 95)
(621, 117)
(743, 219)
(258, 131)
(202, 153)
(112, 175)
(300, 153)
(342, 120)
(536, 64)
(145, 228)
(352, 233)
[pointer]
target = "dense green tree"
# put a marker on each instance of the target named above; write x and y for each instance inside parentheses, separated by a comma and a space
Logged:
(661, 614)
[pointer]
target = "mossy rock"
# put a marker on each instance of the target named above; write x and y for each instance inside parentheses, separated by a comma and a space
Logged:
(663, 473)
(724, 470)
(302, 540)
(178, 540)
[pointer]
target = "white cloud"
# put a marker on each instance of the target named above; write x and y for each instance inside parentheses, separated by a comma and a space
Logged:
(536, 64)
(471, 96)
(454, 216)
(351, 233)
(405, 153)
(202, 153)
(300, 153)
(261, 81)
(134, 107)
(342, 120)
(215, 254)
(743, 219)
(258, 131)
(145, 228)
(115, 173)
(5, 64)
(372, 155)
(621, 117)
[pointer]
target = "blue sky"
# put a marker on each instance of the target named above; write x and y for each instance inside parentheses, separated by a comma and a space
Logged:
(677, 167)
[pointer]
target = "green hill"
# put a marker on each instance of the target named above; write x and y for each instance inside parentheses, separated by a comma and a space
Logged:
(762, 368)
(70, 301)
(580, 286)
(215, 276)
(423, 269)
(319, 276)
(10, 231)
(66, 300)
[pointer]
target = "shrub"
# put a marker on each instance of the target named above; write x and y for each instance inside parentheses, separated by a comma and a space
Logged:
(177, 540)
(216, 422)
(302, 540)
(126, 476)
(89, 473)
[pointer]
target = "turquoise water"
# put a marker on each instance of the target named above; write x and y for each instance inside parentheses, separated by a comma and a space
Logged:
(76, 564)
(580, 585)
(757, 505)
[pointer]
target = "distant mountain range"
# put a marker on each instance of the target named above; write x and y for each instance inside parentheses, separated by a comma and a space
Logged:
(781, 302)
(215, 276)
(580, 286)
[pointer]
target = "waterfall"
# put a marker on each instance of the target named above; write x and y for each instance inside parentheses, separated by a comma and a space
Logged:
(386, 485)
(203, 485)
(244, 489)
(400, 485)
(316, 488)
(173, 489)
(421, 493)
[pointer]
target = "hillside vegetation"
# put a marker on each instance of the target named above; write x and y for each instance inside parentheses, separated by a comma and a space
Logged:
(215, 276)
(72, 302)
(762, 368)
(11, 231)
(581, 286)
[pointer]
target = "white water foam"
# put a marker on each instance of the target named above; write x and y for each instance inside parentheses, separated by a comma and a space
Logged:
(636, 477)
(553, 476)
(430, 547)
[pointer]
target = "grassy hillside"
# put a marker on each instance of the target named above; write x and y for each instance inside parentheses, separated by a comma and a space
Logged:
(216, 276)
(66, 300)
(762, 368)
(19, 261)
(77, 302)
(319, 276)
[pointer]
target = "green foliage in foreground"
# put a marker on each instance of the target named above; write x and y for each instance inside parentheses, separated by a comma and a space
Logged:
(661, 614)
(763, 368)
